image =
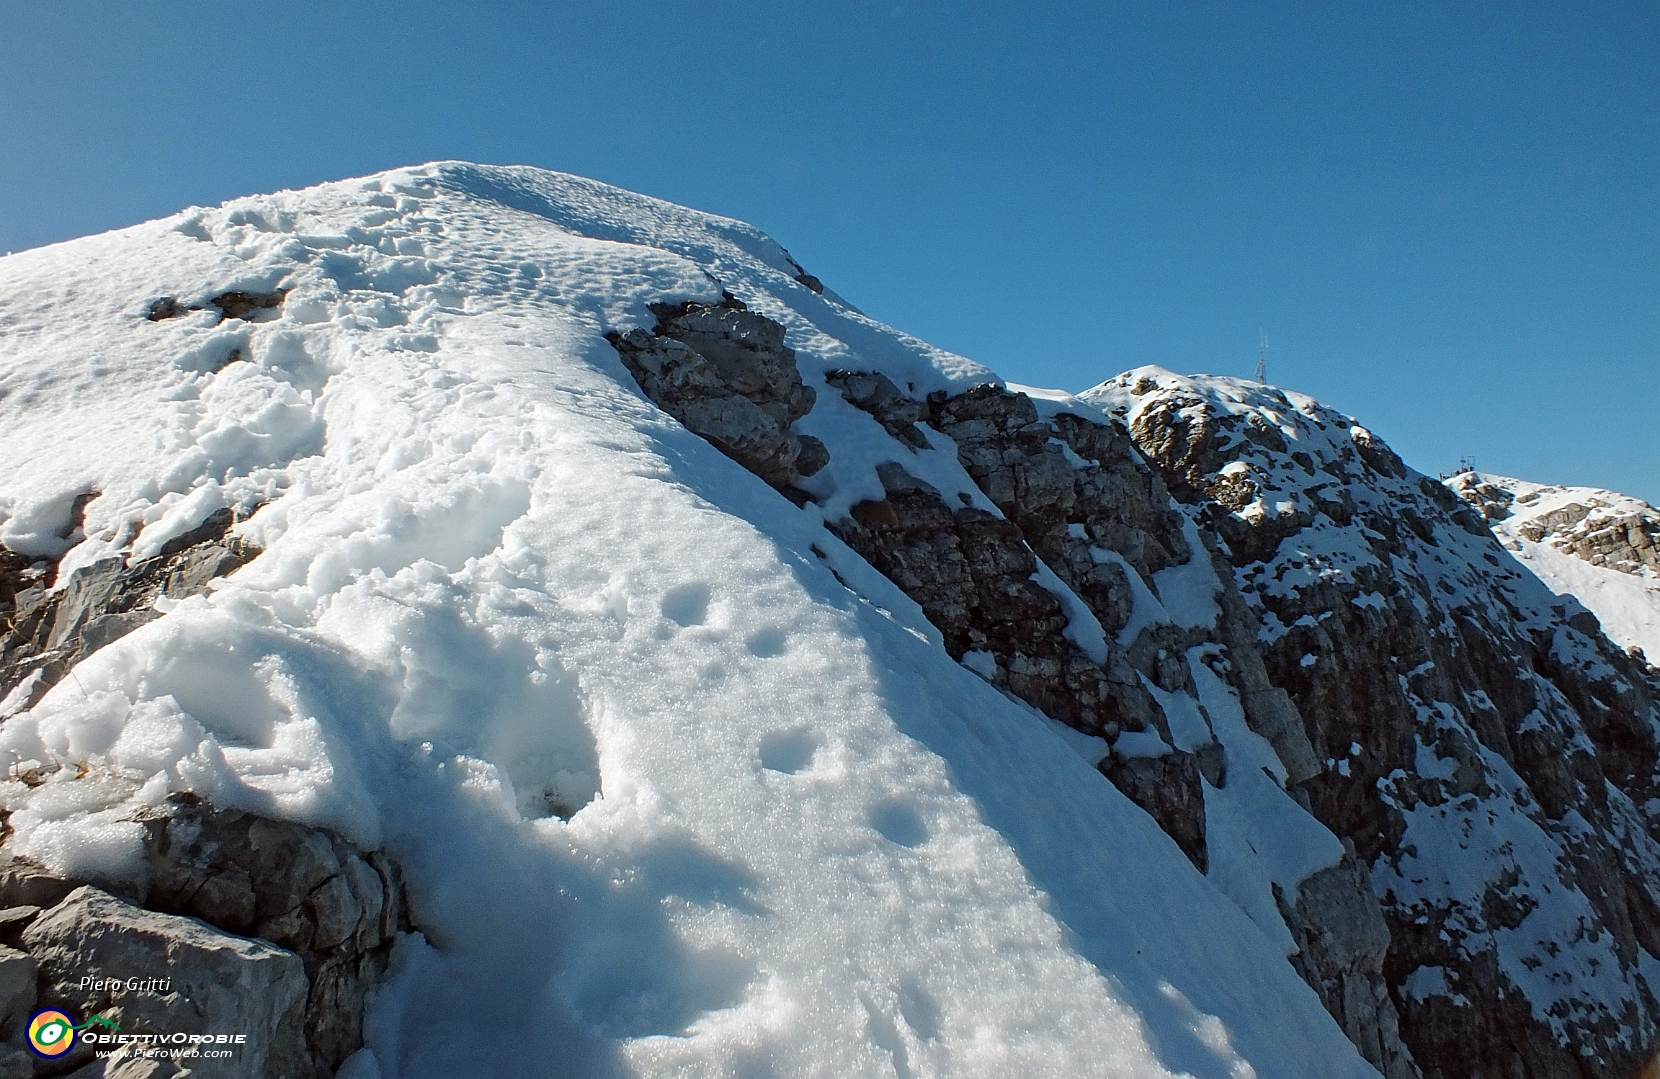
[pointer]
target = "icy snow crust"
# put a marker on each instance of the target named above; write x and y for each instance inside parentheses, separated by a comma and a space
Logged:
(500, 586)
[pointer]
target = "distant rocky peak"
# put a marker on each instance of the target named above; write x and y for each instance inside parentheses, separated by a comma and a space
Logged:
(1447, 691)
(1257, 453)
(1601, 527)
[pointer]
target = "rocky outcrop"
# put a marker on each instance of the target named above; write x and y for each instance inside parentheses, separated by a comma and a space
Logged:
(1490, 757)
(725, 373)
(875, 393)
(155, 974)
(1166, 786)
(1051, 474)
(978, 576)
(1021, 465)
(972, 573)
(48, 629)
(307, 890)
(241, 925)
(1342, 940)
(248, 306)
(1600, 527)
(226, 896)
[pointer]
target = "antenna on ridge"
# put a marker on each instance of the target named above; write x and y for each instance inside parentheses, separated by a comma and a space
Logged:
(1262, 357)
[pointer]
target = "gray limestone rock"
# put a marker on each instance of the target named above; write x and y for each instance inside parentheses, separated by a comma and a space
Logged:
(17, 990)
(28, 885)
(308, 890)
(16, 1063)
(45, 633)
(725, 372)
(1342, 939)
(214, 982)
(1168, 788)
(305, 893)
(971, 572)
(876, 394)
(1273, 714)
(14, 920)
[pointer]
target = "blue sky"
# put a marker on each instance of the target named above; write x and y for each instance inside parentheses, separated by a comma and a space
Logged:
(1445, 216)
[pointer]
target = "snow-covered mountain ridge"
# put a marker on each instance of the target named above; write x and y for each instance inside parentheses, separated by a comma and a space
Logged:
(1601, 547)
(743, 687)
(1488, 751)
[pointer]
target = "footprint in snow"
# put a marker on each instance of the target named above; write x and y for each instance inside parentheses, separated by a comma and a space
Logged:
(686, 604)
(900, 823)
(767, 643)
(788, 751)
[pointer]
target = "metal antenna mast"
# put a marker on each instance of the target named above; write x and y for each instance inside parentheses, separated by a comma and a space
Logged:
(1262, 357)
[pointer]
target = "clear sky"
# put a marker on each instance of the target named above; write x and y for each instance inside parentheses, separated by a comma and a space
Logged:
(1445, 216)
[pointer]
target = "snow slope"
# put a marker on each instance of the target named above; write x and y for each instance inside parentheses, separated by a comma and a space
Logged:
(1543, 524)
(497, 582)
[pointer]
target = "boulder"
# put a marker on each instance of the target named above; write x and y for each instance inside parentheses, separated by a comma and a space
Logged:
(307, 890)
(26, 886)
(725, 372)
(192, 978)
(17, 990)
(310, 896)
(13, 921)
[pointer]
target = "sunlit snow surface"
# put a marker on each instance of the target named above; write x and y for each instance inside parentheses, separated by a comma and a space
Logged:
(498, 582)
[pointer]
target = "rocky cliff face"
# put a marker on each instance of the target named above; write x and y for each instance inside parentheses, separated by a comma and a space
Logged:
(1431, 779)
(1489, 753)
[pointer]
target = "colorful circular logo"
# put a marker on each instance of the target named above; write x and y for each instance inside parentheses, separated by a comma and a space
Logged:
(51, 1032)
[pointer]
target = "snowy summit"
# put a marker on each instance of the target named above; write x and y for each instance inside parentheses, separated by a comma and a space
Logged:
(1599, 546)
(714, 681)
